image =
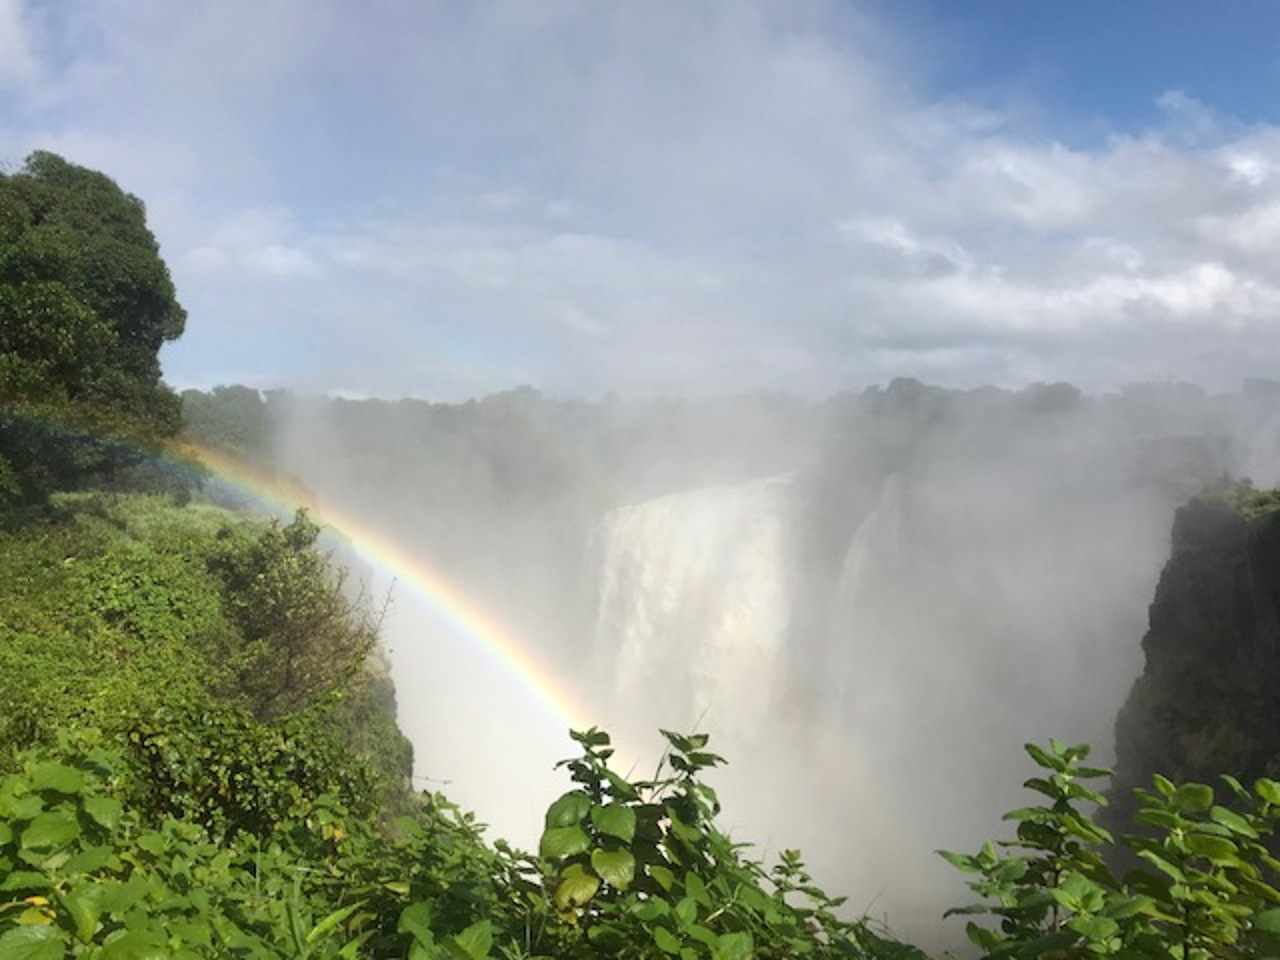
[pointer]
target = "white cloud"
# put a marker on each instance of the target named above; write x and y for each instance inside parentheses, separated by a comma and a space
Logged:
(254, 242)
(18, 63)
(644, 196)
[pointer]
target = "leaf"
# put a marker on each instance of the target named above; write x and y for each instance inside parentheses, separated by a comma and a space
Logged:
(594, 737)
(1216, 849)
(50, 830)
(664, 877)
(960, 861)
(569, 810)
(560, 842)
(1163, 865)
(415, 920)
(57, 777)
(1094, 929)
(577, 886)
(134, 945)
(332, 921)
(84, 911)
(622, 789)
(105, 811)
(615, 867)
(1232, 821)
(472, 943)
(1194, 797)
(1042, 757)
(695, 888)
(1267, 790)
(26, 807)
(734, 946)
(666, 941)
(352, 947)
(32, 943)
(615, 820)
(704, 935)
(649, 910)
(25, 880)
(1268, 921)
(153, 843)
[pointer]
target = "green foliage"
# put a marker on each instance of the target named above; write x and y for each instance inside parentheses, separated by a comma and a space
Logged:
(1205, 886)
(641, 870)
(86, 870)
(298, 635)
(233, 419)
(85, 305)
(120, 616)
(1253, 504)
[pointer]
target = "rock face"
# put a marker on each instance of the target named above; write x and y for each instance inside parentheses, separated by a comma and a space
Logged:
(1208, 700)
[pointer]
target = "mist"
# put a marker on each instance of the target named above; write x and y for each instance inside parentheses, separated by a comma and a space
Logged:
(870, 602)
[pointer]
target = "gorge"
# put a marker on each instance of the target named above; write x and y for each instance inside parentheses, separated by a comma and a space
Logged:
(875, 600)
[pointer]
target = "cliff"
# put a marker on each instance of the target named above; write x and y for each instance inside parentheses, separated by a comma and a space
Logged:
(1208, 700)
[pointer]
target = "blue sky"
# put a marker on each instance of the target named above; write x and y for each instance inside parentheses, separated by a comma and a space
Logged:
(443, 199)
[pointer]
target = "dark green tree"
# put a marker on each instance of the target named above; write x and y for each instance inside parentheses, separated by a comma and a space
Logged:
(85, 304)
(234, 419)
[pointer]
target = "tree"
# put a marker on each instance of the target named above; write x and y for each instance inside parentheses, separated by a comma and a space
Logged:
(300, 634)
(86, 302)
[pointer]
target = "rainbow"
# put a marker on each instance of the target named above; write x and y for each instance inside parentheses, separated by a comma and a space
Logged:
(528, 672)
(445, 600)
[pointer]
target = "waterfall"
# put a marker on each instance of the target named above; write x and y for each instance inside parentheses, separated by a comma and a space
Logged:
(693, 632)
(871, 566)
(695, 593)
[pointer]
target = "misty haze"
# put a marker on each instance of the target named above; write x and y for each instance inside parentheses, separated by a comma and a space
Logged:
(874, 599)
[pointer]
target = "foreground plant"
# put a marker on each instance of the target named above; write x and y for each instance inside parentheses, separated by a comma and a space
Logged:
(640, 869)
(1205, 887)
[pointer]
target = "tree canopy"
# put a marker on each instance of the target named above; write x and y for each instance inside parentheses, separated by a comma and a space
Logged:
(86, 302)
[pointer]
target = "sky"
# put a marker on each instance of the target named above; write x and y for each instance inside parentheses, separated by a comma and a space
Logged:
(443, 199)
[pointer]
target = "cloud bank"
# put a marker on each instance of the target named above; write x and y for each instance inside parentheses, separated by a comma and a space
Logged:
(441, 199)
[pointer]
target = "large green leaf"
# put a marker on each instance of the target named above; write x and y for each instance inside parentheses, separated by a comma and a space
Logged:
(1217, 849)
(104, 810)
(24, 880)
(84, 911)
(695, 888)
(615, 820)
(415, 920)
(1194, 797)
(472, 943)
(733, 946)
(577, 886)
(57, 777)
(569, 810)
(50, 830)
(666, 941)
(32, 943)
(616, 867)
(559, 842)
(23, 808)
(1232, 821)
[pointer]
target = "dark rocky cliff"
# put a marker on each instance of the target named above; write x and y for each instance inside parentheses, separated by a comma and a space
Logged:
(1208, 701)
